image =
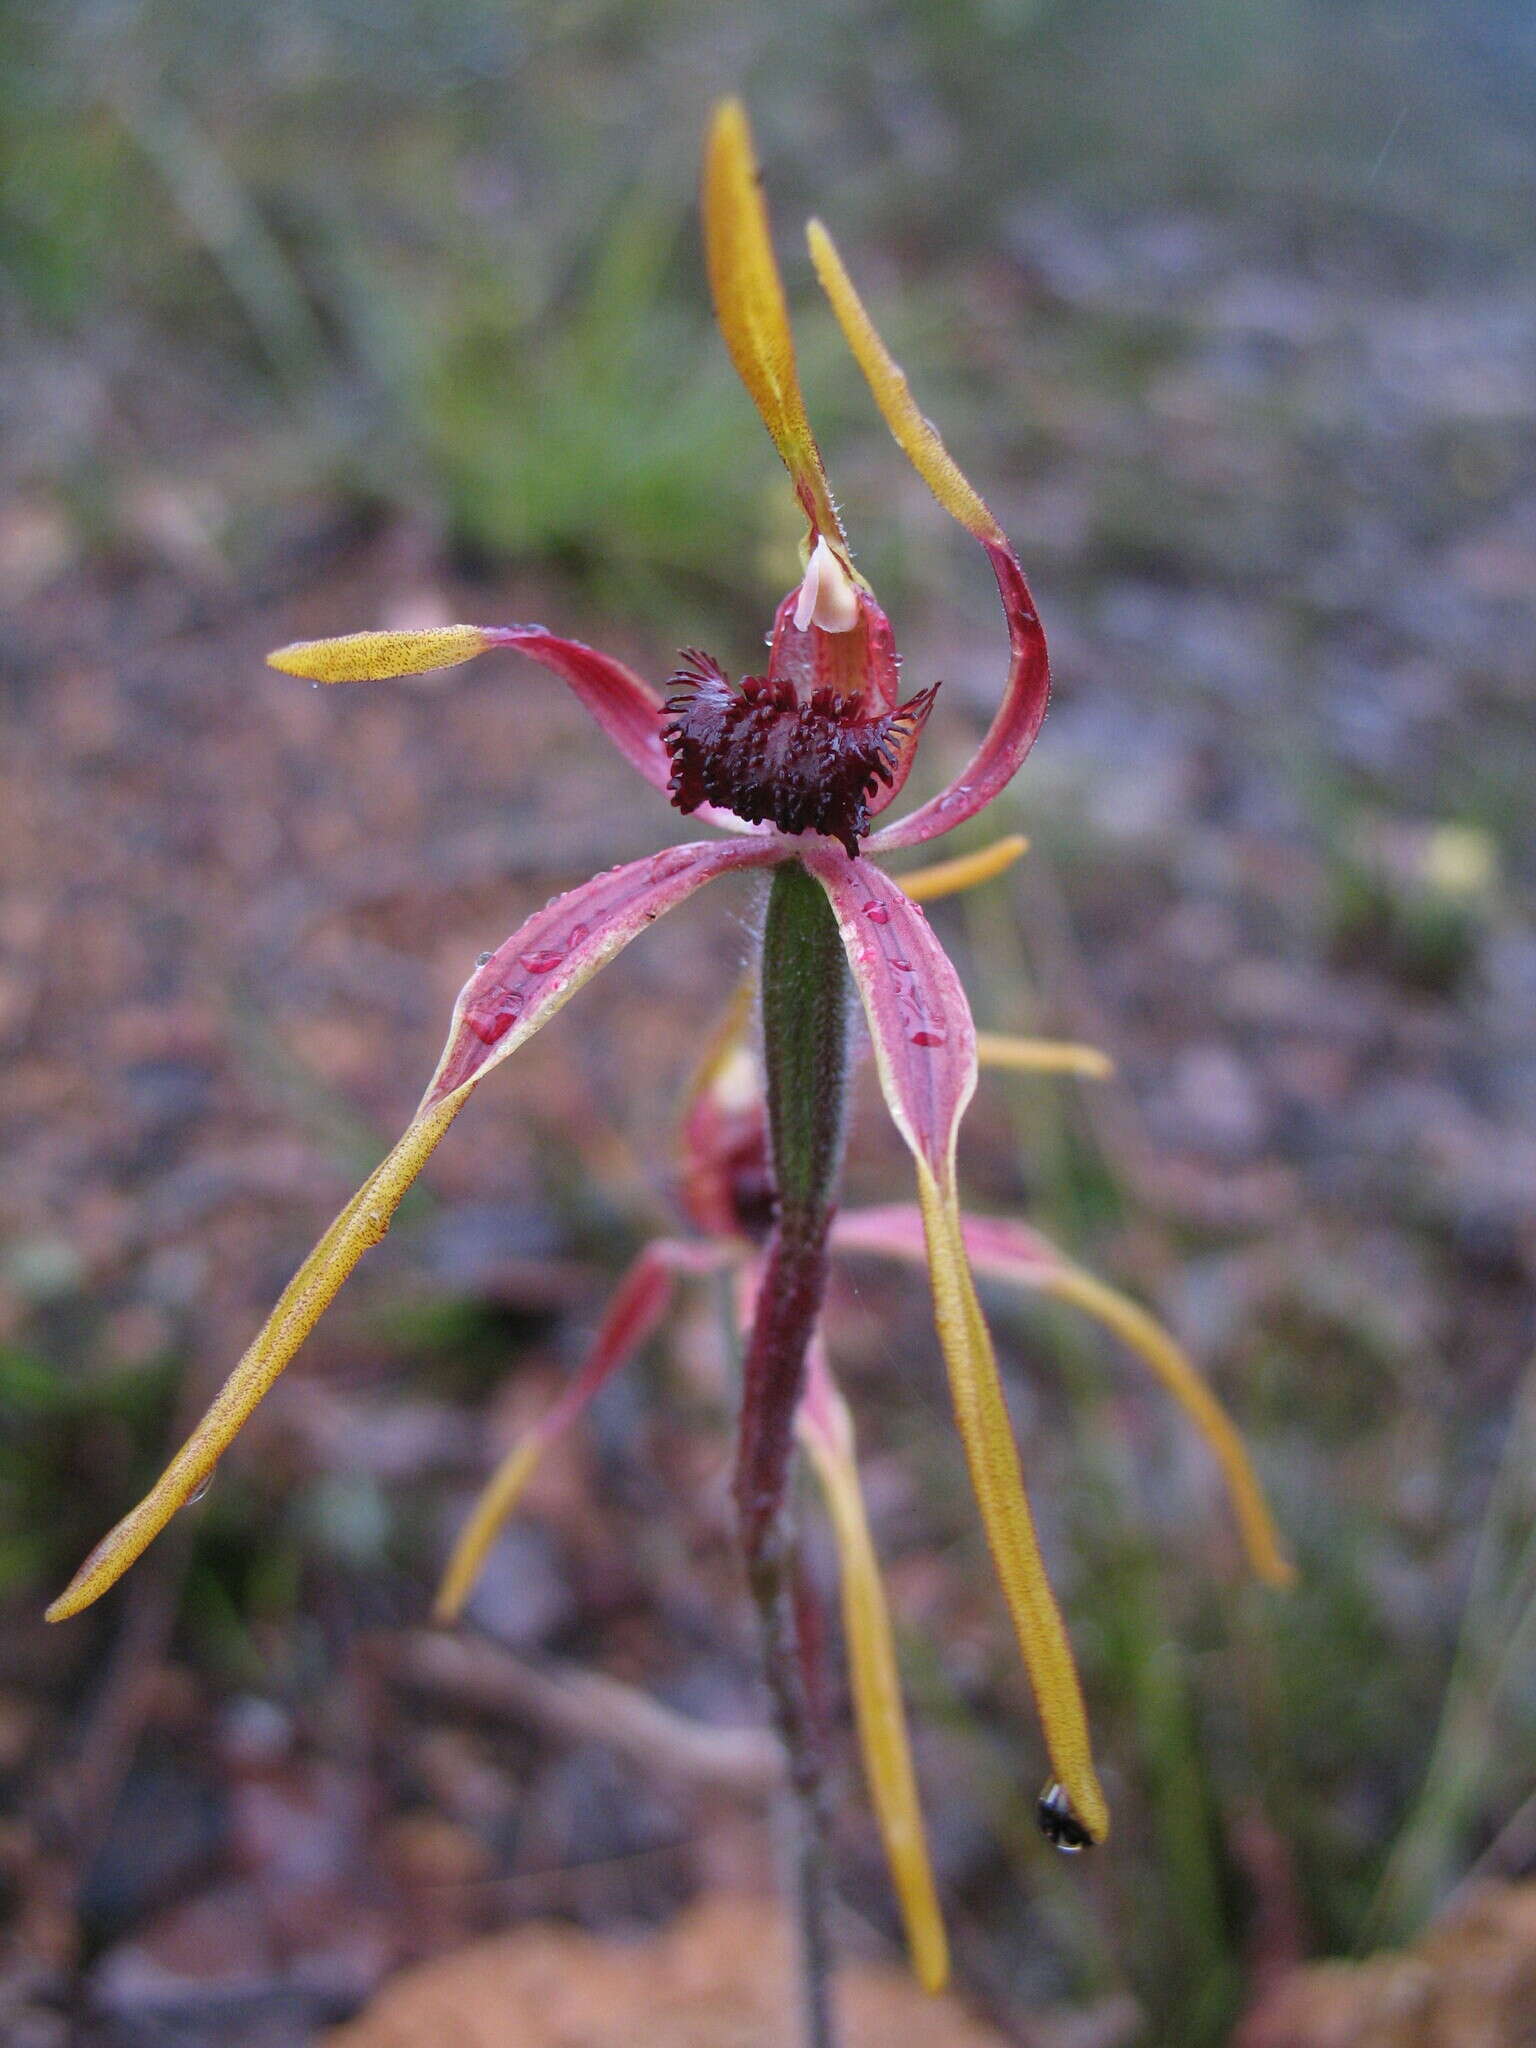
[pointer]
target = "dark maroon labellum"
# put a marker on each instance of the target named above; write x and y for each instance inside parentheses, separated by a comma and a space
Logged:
(759, 751)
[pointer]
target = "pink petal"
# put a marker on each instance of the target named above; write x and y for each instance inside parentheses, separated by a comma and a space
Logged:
(1012, 733)
(628, 709)
(518, 988)
(516, 991)
(919, 1020)
(1002, 1249)
(638, 1305)
(1011, 1251)
(639, 1302)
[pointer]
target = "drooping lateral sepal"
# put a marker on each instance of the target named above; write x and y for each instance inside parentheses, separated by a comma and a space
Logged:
(1001, 1249)
(761, 752)
(825, 1428)
(925, 1053)
(510, 996)
(639, 1303)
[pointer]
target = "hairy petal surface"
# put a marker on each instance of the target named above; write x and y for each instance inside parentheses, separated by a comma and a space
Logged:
(370, 657)
(825, 1429)
(525, 982)
(925, 1052)
(1001, 1249)
(749, 306)
(1013, 729)
(639, 1302)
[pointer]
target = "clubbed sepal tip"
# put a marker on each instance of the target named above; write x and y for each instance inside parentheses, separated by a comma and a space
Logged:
(762, 752)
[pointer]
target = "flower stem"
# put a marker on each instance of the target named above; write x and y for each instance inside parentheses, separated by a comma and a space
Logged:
(805, 1031)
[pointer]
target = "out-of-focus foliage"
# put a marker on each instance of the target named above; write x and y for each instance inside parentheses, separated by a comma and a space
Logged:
(439, 251)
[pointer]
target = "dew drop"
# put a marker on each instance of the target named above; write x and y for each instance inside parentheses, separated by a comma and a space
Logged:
(901, 966)
(543, 961)
(928, 1039)
(877, 912)
(578, 933)
(200, 1491)
(481, 958)
(1059, 1822)
(496, 1020)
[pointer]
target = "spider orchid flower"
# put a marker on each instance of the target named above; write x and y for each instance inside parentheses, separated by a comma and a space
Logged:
(724, 1171)
(795, 768)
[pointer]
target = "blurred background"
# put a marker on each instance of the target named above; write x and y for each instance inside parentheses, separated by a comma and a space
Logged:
(319, 315)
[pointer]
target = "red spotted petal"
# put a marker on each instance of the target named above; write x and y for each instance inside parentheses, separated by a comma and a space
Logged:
(510, 996)
(919, 1020)
(517, 989)
(925, 1050)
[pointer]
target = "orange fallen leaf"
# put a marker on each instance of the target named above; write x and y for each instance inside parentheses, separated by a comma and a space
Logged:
(718, 1977)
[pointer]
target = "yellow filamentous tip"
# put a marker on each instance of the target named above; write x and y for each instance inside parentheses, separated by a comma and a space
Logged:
(370, 657)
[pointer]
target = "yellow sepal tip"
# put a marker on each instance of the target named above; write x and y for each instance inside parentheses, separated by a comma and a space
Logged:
(370, 657)
(876, 1684)
(992, 1457)
(999, 1049)
(751, 312)
(965, 871)
(498, 1499)
(916, 436)
(1151, 1342)
(300, 1306)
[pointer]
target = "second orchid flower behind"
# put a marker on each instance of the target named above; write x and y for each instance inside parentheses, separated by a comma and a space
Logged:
(724, 1185)
(796, 767)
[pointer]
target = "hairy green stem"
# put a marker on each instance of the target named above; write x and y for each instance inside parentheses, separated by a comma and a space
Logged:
(805, 1032)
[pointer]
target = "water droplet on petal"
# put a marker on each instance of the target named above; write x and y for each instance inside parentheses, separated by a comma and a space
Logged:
(495, 1019)
(928, 1039)
(543, 961)
(902, 966)
(578, 933)
(1059, 1822)
(877, 912)
(200, 1491)
(481, 958)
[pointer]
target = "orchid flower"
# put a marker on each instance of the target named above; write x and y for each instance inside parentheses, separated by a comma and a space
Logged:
(724, 1169)
(796, 768)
